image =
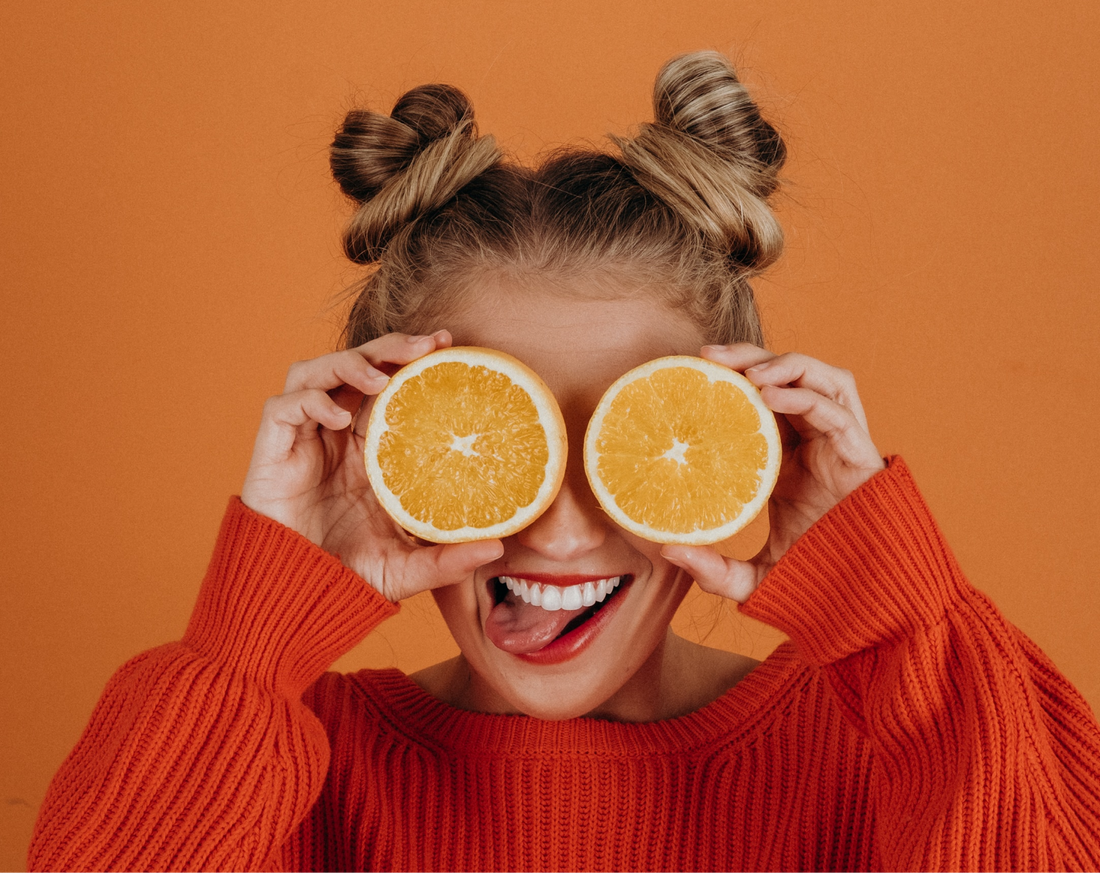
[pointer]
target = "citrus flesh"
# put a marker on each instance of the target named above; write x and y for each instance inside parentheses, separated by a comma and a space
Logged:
(465, 444)
(682, 450)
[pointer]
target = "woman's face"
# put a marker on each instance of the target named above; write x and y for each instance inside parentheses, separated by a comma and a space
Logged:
(603, 660)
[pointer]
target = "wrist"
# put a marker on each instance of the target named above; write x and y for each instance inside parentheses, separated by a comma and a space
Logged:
(276, 606)
(873, 570)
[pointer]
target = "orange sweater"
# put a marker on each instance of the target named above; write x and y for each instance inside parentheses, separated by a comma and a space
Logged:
(907, 725)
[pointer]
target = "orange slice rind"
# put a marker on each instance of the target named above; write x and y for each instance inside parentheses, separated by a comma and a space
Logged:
(682, 450)
(465, 444)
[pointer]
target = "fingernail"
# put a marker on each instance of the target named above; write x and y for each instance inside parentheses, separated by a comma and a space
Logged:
(714, 348)
(416, 339)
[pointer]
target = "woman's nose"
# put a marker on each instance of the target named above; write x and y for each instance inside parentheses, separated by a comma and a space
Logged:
(573, 525)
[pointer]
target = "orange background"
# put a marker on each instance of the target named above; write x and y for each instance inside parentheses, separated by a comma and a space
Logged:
(169, 246)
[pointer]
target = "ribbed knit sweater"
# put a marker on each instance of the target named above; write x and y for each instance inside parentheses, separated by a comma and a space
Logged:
(905, 725)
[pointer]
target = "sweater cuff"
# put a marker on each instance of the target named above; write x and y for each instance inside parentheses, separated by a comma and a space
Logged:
(875, 569)
(277, 607)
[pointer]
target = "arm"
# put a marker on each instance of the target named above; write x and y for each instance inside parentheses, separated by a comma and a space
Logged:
(984, 755)
(200, 754)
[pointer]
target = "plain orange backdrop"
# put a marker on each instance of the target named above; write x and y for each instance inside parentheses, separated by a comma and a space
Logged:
(170, 245)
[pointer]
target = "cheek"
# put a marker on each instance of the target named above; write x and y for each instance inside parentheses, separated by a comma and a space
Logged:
(670, 583)
(651, 552)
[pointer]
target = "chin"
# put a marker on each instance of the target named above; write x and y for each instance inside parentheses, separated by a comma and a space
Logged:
(550, 693)
(550, 701)
(596, 666)
(554, 711)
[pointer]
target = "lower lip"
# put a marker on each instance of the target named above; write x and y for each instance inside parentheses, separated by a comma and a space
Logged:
(576, 641)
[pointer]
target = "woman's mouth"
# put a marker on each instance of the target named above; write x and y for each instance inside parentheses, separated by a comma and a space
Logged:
(548, 622)
(555, 597)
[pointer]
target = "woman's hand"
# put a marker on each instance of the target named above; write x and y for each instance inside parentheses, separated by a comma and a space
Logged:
(827, 454)
(308, 473)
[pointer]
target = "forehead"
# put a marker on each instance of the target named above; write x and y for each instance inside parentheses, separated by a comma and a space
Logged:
(578, 344)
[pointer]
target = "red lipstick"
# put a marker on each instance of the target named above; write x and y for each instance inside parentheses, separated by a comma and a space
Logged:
(558, 580)
(572, 644)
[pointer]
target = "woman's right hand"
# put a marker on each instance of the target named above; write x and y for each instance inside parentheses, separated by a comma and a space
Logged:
(308, 473)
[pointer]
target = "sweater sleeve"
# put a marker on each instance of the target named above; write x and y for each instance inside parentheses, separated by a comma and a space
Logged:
(984, 756)
(200, 753)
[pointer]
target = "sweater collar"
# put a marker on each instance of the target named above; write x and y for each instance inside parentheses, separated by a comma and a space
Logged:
(734, 717)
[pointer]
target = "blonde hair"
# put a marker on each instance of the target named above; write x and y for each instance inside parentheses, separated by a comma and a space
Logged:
(681, 209)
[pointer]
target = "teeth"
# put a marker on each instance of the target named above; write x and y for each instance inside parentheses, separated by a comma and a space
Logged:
(572, 597)
(553, 597)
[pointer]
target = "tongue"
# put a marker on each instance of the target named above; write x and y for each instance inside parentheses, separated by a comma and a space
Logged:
(519, 627)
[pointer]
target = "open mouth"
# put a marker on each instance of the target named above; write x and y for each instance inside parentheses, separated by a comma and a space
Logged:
(555, 597)
(528, 616)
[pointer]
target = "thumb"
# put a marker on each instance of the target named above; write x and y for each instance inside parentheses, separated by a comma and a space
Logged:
(715, 573)
(450, 564)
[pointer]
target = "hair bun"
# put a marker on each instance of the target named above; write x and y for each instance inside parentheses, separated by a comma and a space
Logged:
(711, 157)
(700, 95)
(402, 166)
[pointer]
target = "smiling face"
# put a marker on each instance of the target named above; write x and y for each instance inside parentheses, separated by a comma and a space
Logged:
(605, 652)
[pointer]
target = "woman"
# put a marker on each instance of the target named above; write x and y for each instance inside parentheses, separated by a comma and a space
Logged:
(906, 724)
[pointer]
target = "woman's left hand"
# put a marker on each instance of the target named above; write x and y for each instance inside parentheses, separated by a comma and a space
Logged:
(827, 454)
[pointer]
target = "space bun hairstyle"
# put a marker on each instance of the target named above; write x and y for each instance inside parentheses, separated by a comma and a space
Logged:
(711, 157)
(681, 209)
(404, 166)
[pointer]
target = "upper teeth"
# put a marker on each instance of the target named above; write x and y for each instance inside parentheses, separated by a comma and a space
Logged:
(553, 597)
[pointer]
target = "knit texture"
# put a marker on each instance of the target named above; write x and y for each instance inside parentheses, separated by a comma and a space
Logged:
(906, 725)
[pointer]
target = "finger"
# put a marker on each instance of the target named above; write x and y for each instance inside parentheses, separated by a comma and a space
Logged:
(388, 354)
(812, 414)
(348, 398)
(714, 573)
(399, 349)
(737, 356)
(364, 367)
(334, 370)
(284, 417)
(450, 564)
(443, 339)
(802, 371)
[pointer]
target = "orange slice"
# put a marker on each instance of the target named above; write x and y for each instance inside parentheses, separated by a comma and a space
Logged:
(465, 444)
(682, 450)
